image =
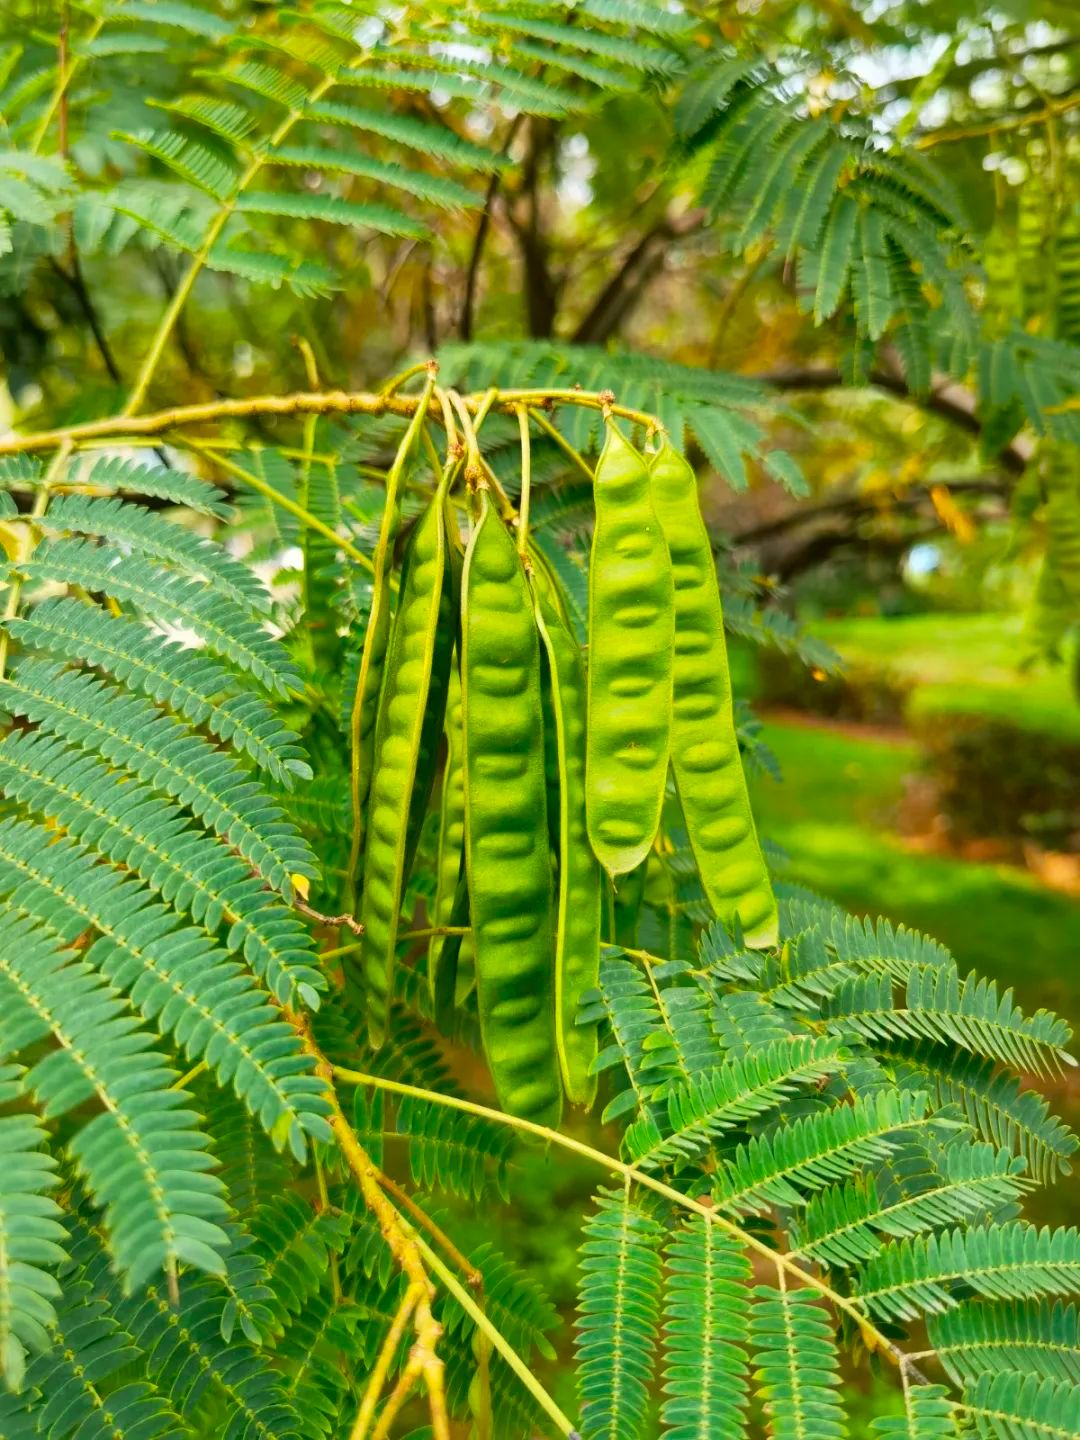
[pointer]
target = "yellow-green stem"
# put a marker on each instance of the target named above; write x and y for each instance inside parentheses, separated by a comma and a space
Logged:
(381, 1368)
(526, 481)
(450, 1282)
(198, 261)
(873, 1337)
(561, 441)
(263, 487)
(41, 500)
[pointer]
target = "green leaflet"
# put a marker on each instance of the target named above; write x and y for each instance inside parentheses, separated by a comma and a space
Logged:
(618, 1317)
(197, 687)
(796, 1364)
(929, 1414)
(227, 628)
(1023, 1407)
(845, 1225)
(31, 1236)
(152, 534)
(188, 868)
(1040, 1337)
(706, 1329)
(142, 1157)
(729, 1095)
(1002, 1261)
(812, 1152)
(176, 976)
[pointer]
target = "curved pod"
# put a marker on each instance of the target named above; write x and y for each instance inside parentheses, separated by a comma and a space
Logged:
(704, 746)
(506, 832)
(631, 621)
(577, 929)
(410, 720)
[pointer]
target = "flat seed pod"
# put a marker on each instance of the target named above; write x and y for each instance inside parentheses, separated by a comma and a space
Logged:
(410, 710)
(578, 891)
(704, 746)
(506, 831)
(631, 624)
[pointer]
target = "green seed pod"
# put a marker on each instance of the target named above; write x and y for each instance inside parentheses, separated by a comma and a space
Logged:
(449, 855)
(577, 931)
(631, 625)
(704, 747)
(370, 678)
(506, 831)
(411, 710)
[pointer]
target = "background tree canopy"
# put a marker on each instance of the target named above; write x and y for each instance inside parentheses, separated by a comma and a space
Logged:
(825, 199)
(318, 319)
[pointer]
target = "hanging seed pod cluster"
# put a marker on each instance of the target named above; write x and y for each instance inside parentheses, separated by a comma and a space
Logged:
(555, 762)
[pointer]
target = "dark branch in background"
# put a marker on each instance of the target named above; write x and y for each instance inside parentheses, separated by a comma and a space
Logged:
(945, 397)
(76, 282)
(183, 335)
(472, 275)
(627, 286)
(810, 534)
(866, 506)
(819, 548)
(427, 302)
(541, 291)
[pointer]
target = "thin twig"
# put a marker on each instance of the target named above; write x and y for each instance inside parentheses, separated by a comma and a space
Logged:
(329, 402)
(872, 1336)
(399, 1240)
(472, 274)
(998, 127)
(473, 1277)
(286, 502)
(384, 1360)
(431, 931)
(398, 1396)
(486, 1328)
(330, 921)
(526, 481)
(564, 445)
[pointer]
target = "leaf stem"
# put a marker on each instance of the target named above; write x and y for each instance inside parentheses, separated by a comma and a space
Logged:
(873, 1337)
(450, 1281)
(302, 402)
(381, 1368)
(473, 1276)
(286, 502)
(526, 481)
(564, 445)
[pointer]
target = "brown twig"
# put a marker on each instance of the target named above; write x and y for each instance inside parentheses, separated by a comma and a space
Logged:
(330, 921)
(473, 1277)
(425, 1357)
(385, 1358)
(472, 274)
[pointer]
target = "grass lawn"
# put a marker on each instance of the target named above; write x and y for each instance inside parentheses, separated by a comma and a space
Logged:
(961, 662)
(833, 816)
